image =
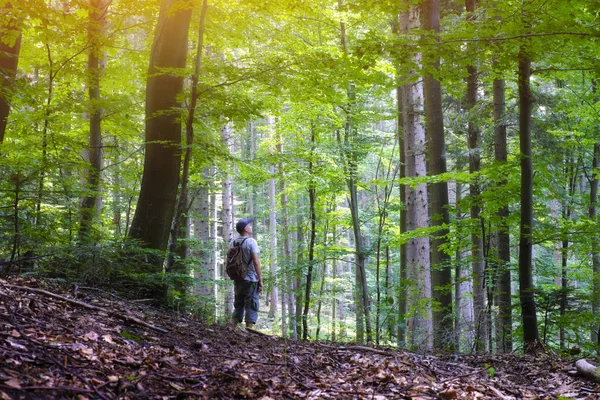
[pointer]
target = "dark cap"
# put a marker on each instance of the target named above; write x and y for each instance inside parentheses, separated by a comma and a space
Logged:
(241, 224)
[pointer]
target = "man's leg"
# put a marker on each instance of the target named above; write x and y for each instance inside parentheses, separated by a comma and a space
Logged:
(251, 305)
(238, 303)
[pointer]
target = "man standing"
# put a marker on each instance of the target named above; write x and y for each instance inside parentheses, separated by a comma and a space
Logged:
(247, 290)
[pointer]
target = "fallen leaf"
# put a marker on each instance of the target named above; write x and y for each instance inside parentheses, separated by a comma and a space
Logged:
(176, 386)
(91, 335)
(4, 396)
(113, 378)
(15, 333)
(13, 383)
(86, 351)
(448, 394)
(108, 339)
(16, 345)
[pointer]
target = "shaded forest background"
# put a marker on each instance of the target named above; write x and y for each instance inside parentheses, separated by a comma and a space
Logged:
(421, 173)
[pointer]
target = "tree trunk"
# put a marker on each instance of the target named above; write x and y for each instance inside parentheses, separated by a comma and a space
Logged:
(477, 253)
(526, 287)
(92, 201)
(441, 271)
(403, 275)
(227, 217)
(419, 324)
(504, 300)
(311, 245)
(182, 207)
(273, 242)
(595, 245)
(9, 59)
(151, 223)
(205, 287)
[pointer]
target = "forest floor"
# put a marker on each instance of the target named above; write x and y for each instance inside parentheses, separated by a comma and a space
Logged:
(89, 344)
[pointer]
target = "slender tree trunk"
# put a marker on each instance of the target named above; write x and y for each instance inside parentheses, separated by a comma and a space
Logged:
(571, 173)
(441, 271)
(362, 302)
(504, 300)
(477, 252)
(526, 286)
(9, 58)
(156, 205)
(273, 242)
(227, 216)
(311, 245)
(205, 287)
(299, 240)
(214, 239)
(593, 212)
(92, 201)
(419, 324)
(181, 209)
(403, 275)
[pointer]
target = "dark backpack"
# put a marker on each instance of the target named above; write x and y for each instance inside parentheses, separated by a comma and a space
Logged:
(236, 267)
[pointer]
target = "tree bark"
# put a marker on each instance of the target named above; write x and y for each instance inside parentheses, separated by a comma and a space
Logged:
(526, 287)
(92, 201)
(151, 223)
(362, 299)
(402, 292)
(504, 300)
(311, 245)
(182, 207)
(203, 273)
(595, 245)
(477, 253)
(419, 324)
(9, 59)
(227, 216)
(441, 271)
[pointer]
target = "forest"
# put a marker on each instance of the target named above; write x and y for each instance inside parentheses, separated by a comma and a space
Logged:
(421, 174)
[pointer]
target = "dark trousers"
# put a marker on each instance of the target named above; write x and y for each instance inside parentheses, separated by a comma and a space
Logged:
(246, 301)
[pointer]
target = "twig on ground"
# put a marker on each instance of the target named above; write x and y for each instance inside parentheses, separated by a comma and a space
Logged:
(90, 307)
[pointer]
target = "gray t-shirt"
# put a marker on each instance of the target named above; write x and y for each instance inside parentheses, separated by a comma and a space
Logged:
(248, 247)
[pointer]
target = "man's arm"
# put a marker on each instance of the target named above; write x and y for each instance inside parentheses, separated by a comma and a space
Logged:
(256, 264)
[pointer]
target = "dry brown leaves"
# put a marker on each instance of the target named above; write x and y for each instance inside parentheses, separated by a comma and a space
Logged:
(50, 348)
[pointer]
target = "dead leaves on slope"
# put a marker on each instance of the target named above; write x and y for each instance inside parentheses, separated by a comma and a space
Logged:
(58, 349)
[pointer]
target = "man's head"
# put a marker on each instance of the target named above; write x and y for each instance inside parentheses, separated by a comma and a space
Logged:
(244, 225)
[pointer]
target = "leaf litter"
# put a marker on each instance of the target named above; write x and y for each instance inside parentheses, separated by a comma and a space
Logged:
(56, 347)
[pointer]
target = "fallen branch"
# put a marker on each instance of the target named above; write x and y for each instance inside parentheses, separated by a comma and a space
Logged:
(89, 307)
(588, 370)
(241, 359)
(257, 332)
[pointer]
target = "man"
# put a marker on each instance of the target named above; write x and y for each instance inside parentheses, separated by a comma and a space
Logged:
(247, 290)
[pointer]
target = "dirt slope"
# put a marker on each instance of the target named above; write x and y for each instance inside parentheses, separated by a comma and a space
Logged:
(89, 344)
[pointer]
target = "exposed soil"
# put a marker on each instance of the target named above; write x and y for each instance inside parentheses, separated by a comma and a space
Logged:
(89, 344)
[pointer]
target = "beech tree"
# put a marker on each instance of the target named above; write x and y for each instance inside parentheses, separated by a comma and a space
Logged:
(155, 209)
(10, 46)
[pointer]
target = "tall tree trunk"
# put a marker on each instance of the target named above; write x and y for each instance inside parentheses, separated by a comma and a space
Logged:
(156, 204)
(419, 324)
(214, 237)
(402, 282)
(593, 212)
(205, 288)
(92, 201)
(299, 240)
(273, 242)
(227, 216)
(182, 207)
(9, 58)
(504, 323)
(287, 245)
(526, 286)
(477, 253)
(313, 227)
(441, 271)
(571, 172)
